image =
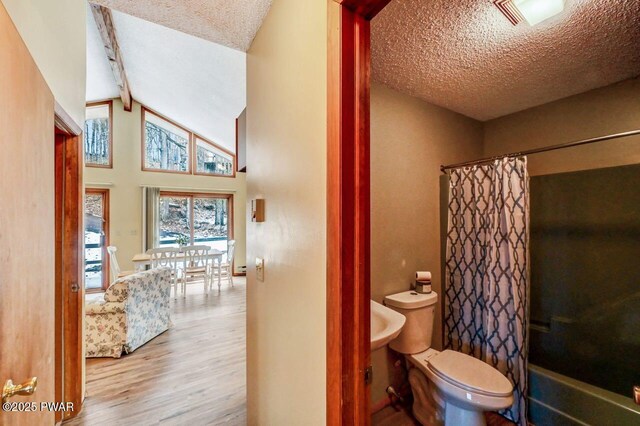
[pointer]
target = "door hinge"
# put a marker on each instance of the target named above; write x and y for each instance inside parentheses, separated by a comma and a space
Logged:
(368, 375)
(75, 287)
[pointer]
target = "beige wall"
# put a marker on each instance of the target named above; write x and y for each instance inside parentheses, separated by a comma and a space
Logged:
(286, 163)
(611, 109)
(410, 139)
(55, 34)
(125, 179)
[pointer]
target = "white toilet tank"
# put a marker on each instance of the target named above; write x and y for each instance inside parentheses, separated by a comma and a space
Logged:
(419, 309)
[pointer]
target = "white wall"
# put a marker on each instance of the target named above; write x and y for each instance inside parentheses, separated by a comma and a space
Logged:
(286, 163)
(125, 191)
(55, 34)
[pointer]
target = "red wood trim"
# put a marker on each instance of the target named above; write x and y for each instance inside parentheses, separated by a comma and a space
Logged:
(110, 103)
(348, 215)
(59, 305)
(73, 272)
(365, 8)
(106, 271)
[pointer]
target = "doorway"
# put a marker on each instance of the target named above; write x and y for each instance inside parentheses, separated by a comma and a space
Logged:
(69, 277)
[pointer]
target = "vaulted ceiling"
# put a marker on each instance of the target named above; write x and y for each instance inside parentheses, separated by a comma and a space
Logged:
(185, 59)
(231, 23)
(465, 56)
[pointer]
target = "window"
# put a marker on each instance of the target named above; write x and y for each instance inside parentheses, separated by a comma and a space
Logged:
(96, 231)
(97, 135)
(198, 218)
(166, 145)
(211, 160)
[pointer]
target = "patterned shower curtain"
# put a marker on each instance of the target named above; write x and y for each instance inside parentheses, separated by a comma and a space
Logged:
(487, 270)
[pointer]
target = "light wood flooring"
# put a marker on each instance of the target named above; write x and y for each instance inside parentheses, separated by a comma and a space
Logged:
(194, 373)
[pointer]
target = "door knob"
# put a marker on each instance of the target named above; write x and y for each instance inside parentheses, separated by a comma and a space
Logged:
(26, 388)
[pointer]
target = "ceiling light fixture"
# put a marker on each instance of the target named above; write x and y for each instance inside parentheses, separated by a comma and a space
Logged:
(532, 11)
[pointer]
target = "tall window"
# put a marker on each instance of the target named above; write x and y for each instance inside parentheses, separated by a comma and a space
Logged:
(198, 218)
(96, 231)
(170, 147)
(97, 135)
(211, 160)
(166, 145)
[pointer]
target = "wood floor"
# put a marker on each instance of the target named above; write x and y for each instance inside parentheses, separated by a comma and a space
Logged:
(194, 373)
(402, 417)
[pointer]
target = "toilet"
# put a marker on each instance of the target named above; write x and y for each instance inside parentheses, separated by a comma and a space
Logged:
(448, 387)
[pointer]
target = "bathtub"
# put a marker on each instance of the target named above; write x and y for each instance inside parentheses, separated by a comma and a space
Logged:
(558, 400)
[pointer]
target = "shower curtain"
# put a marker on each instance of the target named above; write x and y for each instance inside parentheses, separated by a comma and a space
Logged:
(487, 270)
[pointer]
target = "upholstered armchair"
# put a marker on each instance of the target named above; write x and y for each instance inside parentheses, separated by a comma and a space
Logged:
(135, 309)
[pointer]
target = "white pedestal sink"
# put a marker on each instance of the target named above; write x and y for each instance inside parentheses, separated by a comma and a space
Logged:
(386, 324)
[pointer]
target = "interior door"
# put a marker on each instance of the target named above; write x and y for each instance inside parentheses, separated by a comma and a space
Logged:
(27, 236)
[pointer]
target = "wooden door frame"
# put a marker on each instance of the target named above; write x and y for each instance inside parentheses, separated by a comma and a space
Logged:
(106, 267)
(69, 262)
(348, 211)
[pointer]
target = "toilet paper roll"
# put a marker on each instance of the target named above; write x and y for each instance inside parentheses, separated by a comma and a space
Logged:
(423, 276)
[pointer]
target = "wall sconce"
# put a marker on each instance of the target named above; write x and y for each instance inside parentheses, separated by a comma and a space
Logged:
(257, 210)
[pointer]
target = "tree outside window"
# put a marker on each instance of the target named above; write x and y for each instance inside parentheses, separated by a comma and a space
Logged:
(97, 135)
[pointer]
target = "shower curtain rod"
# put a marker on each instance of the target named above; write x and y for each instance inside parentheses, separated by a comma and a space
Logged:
(538, 150)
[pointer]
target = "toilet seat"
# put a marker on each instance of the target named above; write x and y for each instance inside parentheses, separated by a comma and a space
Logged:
(470, 374)
(464, 371)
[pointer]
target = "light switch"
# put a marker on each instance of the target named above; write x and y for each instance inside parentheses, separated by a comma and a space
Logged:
(259, 269)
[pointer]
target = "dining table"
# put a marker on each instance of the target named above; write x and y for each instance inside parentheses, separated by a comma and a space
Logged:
(142, 261)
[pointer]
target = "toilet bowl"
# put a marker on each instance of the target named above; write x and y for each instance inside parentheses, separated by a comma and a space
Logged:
(448, 387)
(466, 386)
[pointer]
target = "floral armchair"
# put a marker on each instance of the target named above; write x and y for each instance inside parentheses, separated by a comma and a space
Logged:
(135, 309)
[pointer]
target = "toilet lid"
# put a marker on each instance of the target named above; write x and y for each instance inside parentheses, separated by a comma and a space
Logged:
(470, 373)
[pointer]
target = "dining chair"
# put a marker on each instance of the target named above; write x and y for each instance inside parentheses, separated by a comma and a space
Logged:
(167, 257)
(196, 265)
(115, 267)
(225, 268)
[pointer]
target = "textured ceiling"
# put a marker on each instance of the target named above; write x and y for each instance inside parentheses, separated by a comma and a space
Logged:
(197, 83)
(232, 23)
(465, 56)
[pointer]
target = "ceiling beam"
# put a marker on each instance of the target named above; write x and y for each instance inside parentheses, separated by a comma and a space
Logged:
(104, 22)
